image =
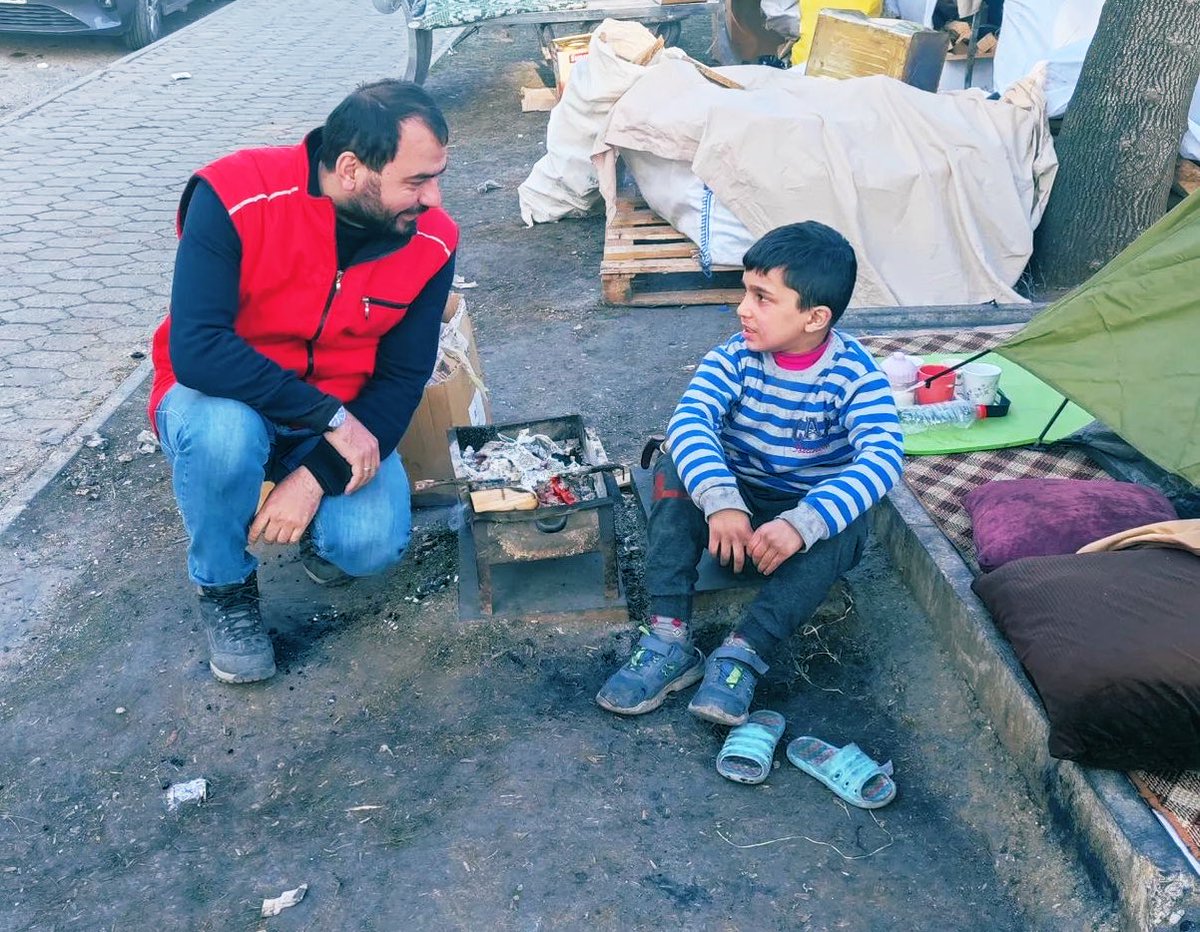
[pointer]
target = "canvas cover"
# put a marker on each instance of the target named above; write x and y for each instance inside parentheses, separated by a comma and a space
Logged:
(1123, 345)
(1058, 33)
(938, 193)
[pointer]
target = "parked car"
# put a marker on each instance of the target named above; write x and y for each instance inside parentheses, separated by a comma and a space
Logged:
(139, 21)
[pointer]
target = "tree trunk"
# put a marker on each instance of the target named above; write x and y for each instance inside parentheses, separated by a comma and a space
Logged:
(1120, 136)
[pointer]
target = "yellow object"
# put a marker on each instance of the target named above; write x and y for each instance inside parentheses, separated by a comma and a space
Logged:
(809, 9)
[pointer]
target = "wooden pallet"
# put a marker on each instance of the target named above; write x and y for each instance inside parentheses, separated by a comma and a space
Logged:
(648, 263)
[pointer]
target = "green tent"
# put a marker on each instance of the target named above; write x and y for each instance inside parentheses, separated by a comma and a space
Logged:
(1125, 345)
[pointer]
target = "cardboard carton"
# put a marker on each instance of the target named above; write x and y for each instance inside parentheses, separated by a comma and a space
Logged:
(454, 397)
(566, 52)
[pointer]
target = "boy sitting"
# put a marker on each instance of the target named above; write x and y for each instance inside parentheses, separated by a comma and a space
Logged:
(785, 437)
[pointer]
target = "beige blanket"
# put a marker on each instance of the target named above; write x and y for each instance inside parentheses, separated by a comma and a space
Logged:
(1180, 535)
(939, 193)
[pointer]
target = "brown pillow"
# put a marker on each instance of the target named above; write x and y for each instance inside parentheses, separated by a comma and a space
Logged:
(1017, 518)
(1112, 643)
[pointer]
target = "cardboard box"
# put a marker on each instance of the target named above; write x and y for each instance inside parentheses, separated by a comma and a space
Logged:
(453, 398)
(565, 53)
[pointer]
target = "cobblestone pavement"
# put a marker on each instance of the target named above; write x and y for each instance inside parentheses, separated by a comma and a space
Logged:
(89, 182)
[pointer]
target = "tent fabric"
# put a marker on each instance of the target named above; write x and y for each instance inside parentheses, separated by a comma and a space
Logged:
(1123, 344)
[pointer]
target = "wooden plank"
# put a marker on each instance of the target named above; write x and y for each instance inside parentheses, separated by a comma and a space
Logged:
(649, 251)
(626, 238)
(729, 296)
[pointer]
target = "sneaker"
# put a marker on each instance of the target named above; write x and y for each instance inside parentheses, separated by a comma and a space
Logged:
(317, 568)
(656, 669)
(728, 688)
(239, 650)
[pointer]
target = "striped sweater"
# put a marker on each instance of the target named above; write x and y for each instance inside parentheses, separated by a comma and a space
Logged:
(829, 433)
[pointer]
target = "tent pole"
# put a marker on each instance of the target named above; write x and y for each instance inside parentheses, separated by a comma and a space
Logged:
(1045, 430)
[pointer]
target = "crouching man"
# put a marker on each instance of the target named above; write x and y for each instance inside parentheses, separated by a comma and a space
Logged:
(305, 311)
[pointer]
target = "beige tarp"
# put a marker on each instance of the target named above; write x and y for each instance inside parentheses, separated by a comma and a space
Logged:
(939, 193)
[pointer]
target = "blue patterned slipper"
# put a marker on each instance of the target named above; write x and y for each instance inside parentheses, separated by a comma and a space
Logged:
(750, 749)
(847, 771)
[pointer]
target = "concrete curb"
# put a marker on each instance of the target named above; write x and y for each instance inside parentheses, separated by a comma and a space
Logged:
(1120, 842)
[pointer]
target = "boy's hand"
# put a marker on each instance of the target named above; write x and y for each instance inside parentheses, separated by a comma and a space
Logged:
(773, 543)
(729, 535)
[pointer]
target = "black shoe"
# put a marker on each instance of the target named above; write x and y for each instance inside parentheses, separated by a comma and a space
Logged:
(239, 650)
(317, 568)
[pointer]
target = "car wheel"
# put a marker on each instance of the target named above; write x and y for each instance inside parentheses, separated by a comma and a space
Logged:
(146, 25)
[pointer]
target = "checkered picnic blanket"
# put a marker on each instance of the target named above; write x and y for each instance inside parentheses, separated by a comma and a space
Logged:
(941, 483)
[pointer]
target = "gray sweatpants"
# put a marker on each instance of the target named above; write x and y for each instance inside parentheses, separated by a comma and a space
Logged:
(678, 536)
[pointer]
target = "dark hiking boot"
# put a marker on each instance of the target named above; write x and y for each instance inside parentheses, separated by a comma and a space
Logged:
(317, 568)
(239, 650)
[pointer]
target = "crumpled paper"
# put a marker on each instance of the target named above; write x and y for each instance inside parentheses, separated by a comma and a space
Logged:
(275, 905)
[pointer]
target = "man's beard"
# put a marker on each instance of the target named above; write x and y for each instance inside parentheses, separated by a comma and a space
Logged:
(367, 211)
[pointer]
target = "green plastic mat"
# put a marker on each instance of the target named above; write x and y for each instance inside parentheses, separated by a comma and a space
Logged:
(1033, 404)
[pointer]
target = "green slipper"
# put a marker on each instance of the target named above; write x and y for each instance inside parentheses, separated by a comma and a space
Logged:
(847, 771)
(749, 749)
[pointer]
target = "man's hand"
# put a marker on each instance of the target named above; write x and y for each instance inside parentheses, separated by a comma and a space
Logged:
(359, 448)
(729, 535)
(773, 543)
(288, 510)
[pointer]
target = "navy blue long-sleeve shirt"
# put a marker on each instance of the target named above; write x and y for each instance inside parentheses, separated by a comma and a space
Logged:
(210, 357)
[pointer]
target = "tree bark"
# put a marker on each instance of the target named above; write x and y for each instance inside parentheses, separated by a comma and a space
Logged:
(1120, 136)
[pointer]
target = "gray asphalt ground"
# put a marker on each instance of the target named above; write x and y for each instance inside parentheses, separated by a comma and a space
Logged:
(416, 772)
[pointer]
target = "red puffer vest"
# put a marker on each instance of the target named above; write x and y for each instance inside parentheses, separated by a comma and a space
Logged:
(295, 306)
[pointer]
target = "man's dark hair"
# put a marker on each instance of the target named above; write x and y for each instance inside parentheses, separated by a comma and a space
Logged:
(367, 122)
(817, 262)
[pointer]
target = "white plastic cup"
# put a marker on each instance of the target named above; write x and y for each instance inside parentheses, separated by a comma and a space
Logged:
(980, 382)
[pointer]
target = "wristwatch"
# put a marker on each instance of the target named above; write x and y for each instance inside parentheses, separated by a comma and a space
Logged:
(338, 419)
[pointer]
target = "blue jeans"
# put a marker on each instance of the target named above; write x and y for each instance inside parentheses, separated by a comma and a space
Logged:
(221, 451)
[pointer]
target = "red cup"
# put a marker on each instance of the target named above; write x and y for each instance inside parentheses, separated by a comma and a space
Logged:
(940, 389)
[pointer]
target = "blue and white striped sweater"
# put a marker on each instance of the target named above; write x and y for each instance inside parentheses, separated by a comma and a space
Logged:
(829, 433)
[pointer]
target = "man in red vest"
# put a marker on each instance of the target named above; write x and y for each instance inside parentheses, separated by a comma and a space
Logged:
(305, 312)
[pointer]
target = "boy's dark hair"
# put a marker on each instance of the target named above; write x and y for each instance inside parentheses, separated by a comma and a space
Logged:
(817, 262)
(367, 122)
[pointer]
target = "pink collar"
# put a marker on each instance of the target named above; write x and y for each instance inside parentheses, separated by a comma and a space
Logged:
(796, 362)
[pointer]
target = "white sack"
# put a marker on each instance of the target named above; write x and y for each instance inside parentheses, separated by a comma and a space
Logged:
(939, 194)
(1059, 32)
(673, 191)
(563, 182)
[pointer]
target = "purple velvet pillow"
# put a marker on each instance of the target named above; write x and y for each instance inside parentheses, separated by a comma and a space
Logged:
(1016, 518)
